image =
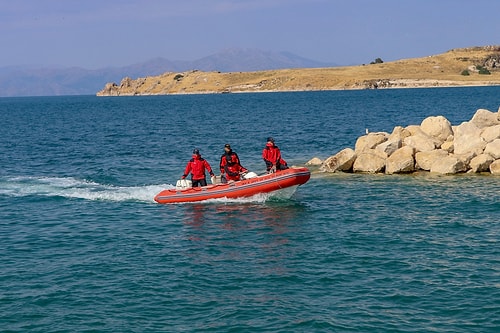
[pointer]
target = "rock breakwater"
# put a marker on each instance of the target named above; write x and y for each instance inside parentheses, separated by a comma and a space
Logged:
(435, 146)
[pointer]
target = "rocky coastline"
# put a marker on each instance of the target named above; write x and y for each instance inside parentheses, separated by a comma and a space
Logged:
(435, 146)
(478, 66)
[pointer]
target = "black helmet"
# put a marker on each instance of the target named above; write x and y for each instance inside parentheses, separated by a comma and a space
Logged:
(270, 139)
(196, 151)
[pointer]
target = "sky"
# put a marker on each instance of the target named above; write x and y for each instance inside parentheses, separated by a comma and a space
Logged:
(95, 34)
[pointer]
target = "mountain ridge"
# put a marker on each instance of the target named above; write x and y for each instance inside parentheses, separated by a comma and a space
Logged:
(54, 81)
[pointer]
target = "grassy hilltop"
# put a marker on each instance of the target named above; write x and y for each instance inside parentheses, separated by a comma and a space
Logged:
(474, 66)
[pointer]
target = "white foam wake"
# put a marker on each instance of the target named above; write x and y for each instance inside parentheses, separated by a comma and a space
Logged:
(70, 187)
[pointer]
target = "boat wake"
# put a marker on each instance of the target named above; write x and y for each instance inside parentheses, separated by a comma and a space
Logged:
(69, 187)
(73, 188)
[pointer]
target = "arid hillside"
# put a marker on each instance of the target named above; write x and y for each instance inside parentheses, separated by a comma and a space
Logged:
(474, 66)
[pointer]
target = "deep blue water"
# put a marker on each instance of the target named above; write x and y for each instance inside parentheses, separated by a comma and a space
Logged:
(84, 248)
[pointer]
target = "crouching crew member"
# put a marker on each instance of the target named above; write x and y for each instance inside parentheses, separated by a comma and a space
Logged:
(272, 156)
(230, 166)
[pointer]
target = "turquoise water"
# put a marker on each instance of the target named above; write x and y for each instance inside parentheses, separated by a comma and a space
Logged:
(86, 249)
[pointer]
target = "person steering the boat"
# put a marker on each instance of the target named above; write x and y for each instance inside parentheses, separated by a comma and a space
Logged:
(272, 156)
(230, 166)
(196, 166)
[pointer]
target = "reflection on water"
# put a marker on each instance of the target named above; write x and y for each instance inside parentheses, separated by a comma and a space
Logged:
(205, 218)
(232, 235)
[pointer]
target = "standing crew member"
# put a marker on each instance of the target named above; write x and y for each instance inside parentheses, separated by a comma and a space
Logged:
(196, 166)
(272, 156)
(230, 166)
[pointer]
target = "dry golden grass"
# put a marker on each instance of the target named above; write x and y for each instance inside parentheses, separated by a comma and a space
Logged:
(441, 70)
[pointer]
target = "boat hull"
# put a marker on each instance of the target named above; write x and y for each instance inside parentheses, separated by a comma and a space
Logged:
(240, 189)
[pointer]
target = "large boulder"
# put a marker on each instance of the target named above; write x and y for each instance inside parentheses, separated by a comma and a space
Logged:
(370, 141)
(390, 146)
(314, 161)
(420, 142)
(481, 163)
(495, 167)
(401, 161)
(437, 127)
(342, 161)
(414, 130)
(466, 157)
(425, 159)
(484, 118)
(468, 138)
(399, 133)
(370, 161)
(491, 133)
(448, 165)
(493, 148)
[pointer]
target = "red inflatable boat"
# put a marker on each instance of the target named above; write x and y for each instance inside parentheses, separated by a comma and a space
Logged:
(266, 183)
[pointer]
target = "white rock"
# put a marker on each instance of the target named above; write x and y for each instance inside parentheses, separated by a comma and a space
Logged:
(414, 130)
(420, 142)
(484, 118)
(399, 133)
(425, 159)
(370, 161)
(495, 167)
(493, 148)
(481, 163)
(491, 133)
(448, 146)
(314, 161)
(448, 165)
(342, 161)
(437, 127)
(468, 138)
(390, 146)
(466, 157)
(370, 141)
(401, 161)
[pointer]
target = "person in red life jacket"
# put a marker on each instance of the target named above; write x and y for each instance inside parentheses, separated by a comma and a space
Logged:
(272, 156)
(230, 166)
(196, 166)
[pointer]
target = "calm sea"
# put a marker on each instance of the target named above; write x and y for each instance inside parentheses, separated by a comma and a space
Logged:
(84, 248)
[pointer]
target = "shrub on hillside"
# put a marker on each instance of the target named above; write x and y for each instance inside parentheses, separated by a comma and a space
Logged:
(377, 61)
(482, 70)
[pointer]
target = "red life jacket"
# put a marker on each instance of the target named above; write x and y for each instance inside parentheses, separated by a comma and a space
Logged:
(197, 166)
(272, 154)
(230, 165)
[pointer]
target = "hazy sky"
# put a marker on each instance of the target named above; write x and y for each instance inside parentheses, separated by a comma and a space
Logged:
(99, 33)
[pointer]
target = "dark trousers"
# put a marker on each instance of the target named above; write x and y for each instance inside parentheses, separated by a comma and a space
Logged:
(199, 182)
(281, 166)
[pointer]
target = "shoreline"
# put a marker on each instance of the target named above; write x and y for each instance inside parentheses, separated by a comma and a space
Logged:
(434, 84)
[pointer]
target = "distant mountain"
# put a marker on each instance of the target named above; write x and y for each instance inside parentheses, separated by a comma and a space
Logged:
(55, 81)
(247, 60)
